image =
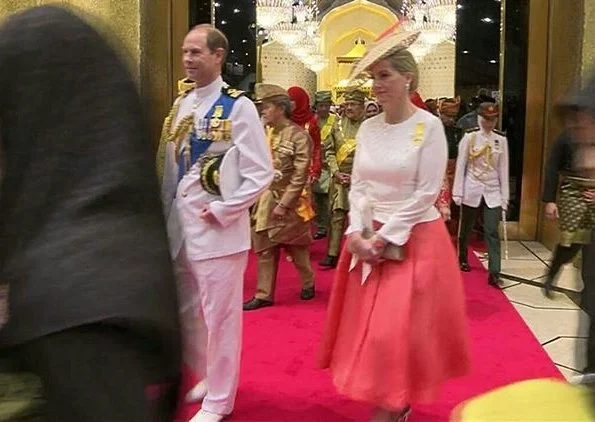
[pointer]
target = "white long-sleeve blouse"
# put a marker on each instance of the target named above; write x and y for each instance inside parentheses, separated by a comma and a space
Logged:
(398, 170)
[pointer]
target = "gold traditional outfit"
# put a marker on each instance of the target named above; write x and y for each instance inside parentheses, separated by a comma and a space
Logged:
(291, 153)
(339, 150)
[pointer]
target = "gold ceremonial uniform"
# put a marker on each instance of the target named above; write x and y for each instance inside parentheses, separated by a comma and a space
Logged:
(339, 150)
(291, 153)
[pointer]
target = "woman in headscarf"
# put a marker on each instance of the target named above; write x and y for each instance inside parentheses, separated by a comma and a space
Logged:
(303, 116)
(83, 248)
(372, 108)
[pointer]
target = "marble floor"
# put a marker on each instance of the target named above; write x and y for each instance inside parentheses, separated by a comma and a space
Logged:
(559, 324)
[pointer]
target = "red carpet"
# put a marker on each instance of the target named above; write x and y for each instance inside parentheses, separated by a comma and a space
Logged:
(279, 380)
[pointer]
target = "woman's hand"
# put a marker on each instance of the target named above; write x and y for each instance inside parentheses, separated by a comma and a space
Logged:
(445, 212)
(551, 211)
(589, 195)
(279, 212)
(368, 250)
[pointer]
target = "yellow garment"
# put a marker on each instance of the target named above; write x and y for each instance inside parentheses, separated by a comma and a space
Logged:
(304, 207)
(325, 131)
(485, 151)
(539, 400)
(170, 134)
(345, 150)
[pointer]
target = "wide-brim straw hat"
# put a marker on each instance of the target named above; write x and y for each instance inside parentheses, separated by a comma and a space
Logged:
(392, 40)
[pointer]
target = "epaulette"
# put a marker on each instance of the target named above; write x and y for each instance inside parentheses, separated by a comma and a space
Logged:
(232, 92)
(185, 86)
(473, 129)
(499, 132)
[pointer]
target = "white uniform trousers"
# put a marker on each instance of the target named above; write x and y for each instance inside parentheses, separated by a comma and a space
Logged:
(210, 295)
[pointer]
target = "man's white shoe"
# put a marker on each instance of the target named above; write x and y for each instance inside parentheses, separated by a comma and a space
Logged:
(198, 392)
(204, 416)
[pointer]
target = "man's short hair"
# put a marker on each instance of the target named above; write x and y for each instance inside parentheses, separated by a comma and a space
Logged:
(215, 38)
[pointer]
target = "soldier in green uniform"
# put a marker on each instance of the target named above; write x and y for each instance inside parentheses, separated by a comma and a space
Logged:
(339, 150)
(282, 215)
(326, 121)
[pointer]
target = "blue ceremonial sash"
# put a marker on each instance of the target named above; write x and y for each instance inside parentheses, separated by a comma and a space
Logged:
(198, 146)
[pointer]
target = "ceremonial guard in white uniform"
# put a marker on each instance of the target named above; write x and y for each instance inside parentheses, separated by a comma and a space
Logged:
(216, 165)
(481, 181)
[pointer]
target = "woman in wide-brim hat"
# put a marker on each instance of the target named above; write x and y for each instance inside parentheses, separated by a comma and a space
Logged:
(396, 327)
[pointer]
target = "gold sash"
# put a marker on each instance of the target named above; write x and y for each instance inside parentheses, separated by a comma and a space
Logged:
(325, 131)
(345, 150)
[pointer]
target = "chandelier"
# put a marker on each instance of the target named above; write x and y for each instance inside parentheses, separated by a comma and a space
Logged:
(420, 50)
(287, 34)
(435, 19)
(443, 11)
(272, 12)
(304, 48)
(315, 62)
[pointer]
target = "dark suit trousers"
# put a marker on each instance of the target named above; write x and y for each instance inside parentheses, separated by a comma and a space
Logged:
(94, 373)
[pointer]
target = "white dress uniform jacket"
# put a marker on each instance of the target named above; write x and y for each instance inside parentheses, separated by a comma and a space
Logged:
(183, 202)
(482, 170)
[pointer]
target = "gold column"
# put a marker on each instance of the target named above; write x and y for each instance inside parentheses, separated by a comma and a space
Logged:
(534, 121)
(562, 73)
(588, 66)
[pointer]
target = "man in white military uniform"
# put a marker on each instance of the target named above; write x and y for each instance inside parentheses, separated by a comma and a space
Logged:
(216, 165)
(481, 181)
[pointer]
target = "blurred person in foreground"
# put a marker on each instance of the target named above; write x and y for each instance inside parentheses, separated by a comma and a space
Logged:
(396, 326)
(216, 166)
(573, 159)
(83, 247)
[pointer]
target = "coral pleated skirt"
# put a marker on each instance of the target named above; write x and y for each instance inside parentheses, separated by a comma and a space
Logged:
(395, 339)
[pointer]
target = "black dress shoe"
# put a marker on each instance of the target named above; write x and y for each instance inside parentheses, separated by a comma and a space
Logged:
(320, 234)
(329, 262)
(494, 280)
(307, 294)
(548, 289)
(255, 303)
(465, 267)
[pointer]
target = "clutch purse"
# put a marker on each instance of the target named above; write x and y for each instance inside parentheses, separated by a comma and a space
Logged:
(391, 252)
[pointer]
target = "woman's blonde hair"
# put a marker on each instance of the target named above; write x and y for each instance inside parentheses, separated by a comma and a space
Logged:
(403, 62)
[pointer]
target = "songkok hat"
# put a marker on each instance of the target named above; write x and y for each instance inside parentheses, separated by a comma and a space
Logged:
(355, 95)
(323, 97)
(269, 92)
(220, 175)
(450, 106)
(488, 110)
(392, 40)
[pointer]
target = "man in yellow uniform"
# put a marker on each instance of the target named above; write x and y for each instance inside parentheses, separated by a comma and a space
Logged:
(282, 215)
(326, 121)
(339, 150)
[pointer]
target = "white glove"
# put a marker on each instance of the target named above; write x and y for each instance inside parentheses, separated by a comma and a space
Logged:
(457, 200)
(505, 205)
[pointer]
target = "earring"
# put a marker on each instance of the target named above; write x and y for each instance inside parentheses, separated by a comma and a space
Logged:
(408, 86)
